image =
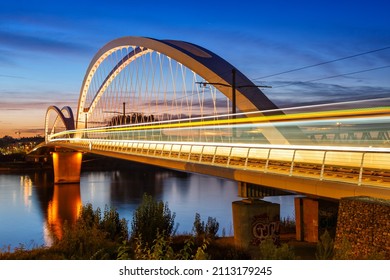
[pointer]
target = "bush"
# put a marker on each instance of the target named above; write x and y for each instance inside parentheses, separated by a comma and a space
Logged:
(150, 218)
(115, 227)
(269, 251)
(92, 237)
(210, 230)
(163, 248)
(198, 228)
(325, 249)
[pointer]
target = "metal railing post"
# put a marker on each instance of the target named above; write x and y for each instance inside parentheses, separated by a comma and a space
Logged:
(267, 162)
(323, 166)
(361, 170)
(292, 163)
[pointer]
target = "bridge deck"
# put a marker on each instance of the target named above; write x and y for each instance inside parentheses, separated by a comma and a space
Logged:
(332, 172)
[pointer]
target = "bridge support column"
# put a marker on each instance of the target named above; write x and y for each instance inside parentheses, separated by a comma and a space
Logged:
(306, 219)
(67, 166)
(254, 220)
(313, 217)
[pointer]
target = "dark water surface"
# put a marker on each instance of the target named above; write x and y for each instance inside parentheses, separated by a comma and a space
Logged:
(32, 207)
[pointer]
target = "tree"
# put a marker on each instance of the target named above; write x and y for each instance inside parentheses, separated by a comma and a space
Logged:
(152, 218)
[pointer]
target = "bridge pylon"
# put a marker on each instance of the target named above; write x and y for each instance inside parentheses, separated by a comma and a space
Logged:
(67, 166)
(254, 219)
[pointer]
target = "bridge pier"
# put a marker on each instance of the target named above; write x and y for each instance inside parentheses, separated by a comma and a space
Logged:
(313, 217)
(306, 219)
(254, 220)
(67, 166)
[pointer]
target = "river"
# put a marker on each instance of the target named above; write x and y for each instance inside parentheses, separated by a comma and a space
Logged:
(32, 207)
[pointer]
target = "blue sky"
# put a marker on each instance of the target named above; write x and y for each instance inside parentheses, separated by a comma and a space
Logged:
(46, 46)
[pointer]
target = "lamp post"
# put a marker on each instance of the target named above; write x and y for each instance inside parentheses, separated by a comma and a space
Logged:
(234, 101)
(234, 87)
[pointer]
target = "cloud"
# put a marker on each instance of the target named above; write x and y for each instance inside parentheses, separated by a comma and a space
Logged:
(36, 131)
(41, 44)
(316, 93)
(27, 101)
(11, 76)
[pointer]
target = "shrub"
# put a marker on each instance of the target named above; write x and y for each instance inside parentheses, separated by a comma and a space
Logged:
(212, 227)
(115, 227)
(325, 249)
(209, 230)
(162, 249)
(198, 228)
(269, 251)
(150, 218)
(92, 237)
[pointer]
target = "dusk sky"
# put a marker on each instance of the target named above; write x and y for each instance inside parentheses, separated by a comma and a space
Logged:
(46, 47)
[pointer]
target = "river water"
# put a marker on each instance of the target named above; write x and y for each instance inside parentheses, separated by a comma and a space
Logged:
(32, 207)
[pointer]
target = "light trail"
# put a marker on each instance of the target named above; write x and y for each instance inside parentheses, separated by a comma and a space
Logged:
(278, 120)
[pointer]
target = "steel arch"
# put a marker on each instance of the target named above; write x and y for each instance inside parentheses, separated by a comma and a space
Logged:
(67, 121)
(205, 63)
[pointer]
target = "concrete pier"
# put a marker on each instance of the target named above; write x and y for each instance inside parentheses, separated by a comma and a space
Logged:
(314, 216)
(67, 166)
(255, 220)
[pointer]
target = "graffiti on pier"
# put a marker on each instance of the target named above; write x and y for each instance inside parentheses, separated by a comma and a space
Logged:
(263, 227)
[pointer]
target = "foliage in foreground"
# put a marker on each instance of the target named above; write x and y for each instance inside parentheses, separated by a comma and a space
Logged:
(208, 230)
(151, 218)
(325, 250)
(91, 237)
(270, 251)
(98, 235)
(163, 249)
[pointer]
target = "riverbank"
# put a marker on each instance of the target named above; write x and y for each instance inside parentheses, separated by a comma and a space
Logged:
(221, 248)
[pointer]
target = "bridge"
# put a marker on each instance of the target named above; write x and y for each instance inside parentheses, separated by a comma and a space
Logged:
(178, 105)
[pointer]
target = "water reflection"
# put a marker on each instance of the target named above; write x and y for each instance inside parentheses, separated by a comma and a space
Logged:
(33, 208)
(64, 207)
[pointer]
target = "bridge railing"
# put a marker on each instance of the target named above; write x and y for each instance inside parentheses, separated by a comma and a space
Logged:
(357, 165)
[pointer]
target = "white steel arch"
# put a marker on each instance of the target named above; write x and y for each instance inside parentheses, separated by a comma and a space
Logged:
(201, 61)
(67, 119)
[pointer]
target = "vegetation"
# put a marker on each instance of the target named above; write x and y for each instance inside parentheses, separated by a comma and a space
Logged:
(287, 225)
(91, 237)
(270, 251)
(104, 235)
(325, 246)
(327, 251)
(10, 146)
(131, 119)
(210, 230)
(151, 219)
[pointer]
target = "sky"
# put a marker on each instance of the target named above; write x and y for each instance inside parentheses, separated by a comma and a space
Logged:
(46, 47)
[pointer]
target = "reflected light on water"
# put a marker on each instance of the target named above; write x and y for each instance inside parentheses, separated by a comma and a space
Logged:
(26, 184)
(65, 206)
(37, 209)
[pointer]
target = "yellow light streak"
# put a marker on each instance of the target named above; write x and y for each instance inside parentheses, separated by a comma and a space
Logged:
(306, 116)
